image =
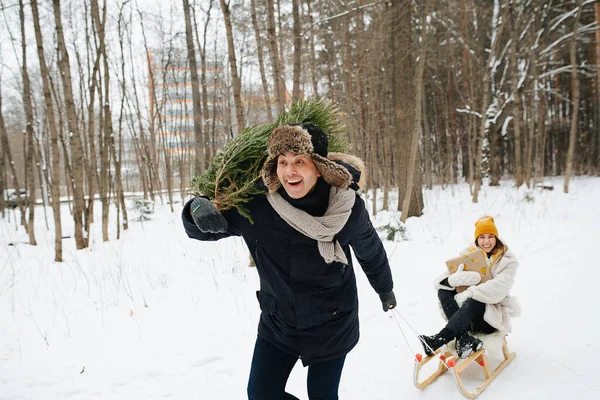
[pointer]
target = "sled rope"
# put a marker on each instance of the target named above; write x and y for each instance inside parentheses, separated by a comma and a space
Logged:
(394, 313)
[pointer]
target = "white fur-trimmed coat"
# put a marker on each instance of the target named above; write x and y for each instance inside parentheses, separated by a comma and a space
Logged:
(495, 293)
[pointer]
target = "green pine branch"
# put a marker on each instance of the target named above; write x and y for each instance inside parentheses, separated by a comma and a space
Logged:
(232, 178)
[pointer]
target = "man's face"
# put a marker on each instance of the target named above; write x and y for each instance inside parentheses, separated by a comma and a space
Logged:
(298, 174)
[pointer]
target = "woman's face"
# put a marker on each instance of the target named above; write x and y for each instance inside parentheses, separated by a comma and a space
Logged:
(487, 242)
(298, 174)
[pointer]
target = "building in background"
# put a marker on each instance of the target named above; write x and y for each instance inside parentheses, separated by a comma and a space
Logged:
(171, 103)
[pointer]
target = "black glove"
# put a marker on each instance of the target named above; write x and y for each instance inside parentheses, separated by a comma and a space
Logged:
(388, 300)
(206, 216)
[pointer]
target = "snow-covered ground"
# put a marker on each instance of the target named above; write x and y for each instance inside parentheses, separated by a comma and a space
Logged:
(156, 315)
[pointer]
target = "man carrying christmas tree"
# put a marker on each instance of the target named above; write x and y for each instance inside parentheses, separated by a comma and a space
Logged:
(300, 238)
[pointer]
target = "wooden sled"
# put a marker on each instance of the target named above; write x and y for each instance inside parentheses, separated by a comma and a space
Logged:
(450, 362)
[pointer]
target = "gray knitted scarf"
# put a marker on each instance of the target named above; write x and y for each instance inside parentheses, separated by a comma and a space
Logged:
(322, 229)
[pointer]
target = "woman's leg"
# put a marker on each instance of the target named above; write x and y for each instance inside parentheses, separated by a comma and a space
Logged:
(460, 322)
(269, 372)
(447, 301)
(324, 379)
(478, 325)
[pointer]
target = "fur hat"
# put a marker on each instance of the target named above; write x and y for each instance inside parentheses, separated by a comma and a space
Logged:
(485, 225)
(308, 140)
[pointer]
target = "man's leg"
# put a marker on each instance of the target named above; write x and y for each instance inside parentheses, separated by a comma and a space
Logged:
(269, 372)
(324, 379)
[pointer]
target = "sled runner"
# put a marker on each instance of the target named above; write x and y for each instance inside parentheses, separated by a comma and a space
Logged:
(449, 361)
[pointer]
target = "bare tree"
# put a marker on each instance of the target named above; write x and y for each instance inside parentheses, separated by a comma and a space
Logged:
(297, 50)
(414, 142)
(485, 101)
(273, 53)
(207, 135)
(197, 107)
(74, 136)
(236, 81)
(574, 97)
(514, 16)
(261, 63)
(29, 175)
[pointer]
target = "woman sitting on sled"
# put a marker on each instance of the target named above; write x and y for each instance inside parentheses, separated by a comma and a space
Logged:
(484, 307)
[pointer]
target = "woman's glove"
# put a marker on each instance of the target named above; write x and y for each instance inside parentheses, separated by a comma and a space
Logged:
(464, 278)
(206, 216)
(463, 296)
(388, 300)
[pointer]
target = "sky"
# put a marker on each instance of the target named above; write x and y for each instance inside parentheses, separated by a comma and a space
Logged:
(157, 315)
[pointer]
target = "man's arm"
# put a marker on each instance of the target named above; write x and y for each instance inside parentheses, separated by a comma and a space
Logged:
(369, 251)
(231, 228)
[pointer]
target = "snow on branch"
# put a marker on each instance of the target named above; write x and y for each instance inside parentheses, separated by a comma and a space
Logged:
(343, 14)
(563, 17)
(566, 68)
(468, 111)
(569, 14)
(582, 29)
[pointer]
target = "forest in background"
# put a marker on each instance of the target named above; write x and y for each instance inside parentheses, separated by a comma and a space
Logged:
(102, 98)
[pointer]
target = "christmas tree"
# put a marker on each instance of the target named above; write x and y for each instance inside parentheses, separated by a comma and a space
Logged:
(233, 176)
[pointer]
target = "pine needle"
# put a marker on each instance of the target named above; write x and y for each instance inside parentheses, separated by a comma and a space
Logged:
(233, 177)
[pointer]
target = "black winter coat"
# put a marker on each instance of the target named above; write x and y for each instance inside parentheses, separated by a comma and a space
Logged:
(309, 308)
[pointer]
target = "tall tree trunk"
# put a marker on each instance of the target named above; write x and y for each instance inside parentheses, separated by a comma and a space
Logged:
(313, 59)
(273, 53)
(74, 136)
(236, 81)
(104, 133)
(414, 142)
(2, 176)
(197, 107)
(597, 49)
(532, 115)
(404, 92)
(297, 50)
(427, 147)
(118, 161)
(54, 149)
(485, 101)
(261, 63)
(284, 91)
(208, 138)
(574, 98)
(29, 162)
(517, 118)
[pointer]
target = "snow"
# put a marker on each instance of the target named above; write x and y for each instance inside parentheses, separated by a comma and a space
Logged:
(157, 315)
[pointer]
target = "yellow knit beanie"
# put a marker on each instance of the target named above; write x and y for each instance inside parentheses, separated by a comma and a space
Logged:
(485, 225)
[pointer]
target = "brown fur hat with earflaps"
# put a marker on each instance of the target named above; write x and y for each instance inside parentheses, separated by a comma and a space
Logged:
(311, 141)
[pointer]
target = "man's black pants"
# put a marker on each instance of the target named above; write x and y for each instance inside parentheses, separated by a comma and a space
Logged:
(271, 368)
